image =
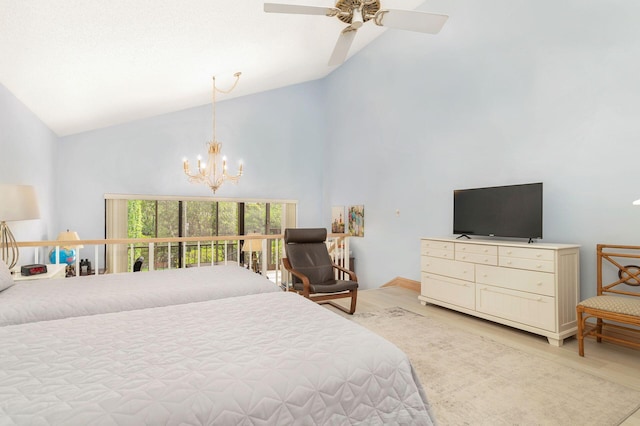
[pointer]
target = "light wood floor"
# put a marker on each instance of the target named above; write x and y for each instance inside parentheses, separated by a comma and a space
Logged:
(613, 362)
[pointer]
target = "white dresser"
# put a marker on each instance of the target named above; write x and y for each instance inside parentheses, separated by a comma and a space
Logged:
(533, 287)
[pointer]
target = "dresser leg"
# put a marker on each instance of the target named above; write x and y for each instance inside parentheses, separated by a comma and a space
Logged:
(555, 342)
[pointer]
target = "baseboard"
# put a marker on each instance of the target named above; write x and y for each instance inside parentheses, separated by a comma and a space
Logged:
(404, 283)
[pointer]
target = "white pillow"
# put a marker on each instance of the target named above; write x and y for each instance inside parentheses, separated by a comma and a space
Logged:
(6, 280)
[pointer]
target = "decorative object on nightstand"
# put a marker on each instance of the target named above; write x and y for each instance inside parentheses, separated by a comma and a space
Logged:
(68, 252)
(53, 272)
(254, 248)
(17, 202)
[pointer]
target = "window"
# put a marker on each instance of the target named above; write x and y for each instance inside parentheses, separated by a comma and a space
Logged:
(147, 217)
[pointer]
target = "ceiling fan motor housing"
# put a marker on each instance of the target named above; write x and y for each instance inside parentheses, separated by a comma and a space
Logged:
(369, 9)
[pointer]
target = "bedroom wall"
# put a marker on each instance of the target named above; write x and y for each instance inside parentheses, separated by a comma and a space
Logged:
(27, 150)
(509, 92)
(278, 135)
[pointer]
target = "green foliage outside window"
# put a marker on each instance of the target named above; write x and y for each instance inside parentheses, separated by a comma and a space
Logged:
(159, 219)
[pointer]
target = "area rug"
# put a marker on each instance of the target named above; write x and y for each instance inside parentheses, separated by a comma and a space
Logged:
(473, 380)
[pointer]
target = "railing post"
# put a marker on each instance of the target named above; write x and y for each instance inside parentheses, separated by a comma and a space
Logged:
(152, 255)
(95, 260)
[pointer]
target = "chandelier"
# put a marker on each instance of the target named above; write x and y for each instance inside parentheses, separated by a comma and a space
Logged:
(210, 173)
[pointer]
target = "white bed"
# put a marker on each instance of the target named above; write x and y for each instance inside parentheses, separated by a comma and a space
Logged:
(42, 300)
(265, 359)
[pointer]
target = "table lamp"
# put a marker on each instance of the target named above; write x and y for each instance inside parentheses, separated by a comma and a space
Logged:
(17, 202)
(67, 252)
(253, 246)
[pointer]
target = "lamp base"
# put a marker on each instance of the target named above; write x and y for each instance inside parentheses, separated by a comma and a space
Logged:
(8, 246)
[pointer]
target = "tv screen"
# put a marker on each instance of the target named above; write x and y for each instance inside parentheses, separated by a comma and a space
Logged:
(500, 211)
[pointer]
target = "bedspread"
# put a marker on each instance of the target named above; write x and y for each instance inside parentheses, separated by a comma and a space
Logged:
(266, 359)
(29, 301)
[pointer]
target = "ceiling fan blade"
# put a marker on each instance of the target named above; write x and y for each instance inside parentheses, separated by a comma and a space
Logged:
(411, 20)
(342, 47)
(303, 10)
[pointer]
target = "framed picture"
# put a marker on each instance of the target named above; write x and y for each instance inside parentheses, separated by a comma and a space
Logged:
(337, 220)
(356, 221)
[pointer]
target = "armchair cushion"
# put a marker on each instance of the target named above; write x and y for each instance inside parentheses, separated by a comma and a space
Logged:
(333, 286)
(308, 254)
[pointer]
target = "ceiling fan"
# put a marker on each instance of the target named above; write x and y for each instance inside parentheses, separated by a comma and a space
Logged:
(356, 13)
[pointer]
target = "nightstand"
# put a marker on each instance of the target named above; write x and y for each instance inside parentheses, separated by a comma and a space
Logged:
(54, 271)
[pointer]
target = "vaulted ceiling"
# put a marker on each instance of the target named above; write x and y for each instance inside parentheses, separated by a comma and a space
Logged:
(86, 64)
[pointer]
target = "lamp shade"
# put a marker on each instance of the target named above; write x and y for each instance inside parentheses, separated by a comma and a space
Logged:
(70, 236)
(252, 245)
(636, 202)
(18, 202)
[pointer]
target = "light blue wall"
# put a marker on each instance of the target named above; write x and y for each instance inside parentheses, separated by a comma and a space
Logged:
(509, 92)
(279, 135)
(27, 152)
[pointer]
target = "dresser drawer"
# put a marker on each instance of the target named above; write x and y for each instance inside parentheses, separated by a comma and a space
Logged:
(449, 290)
(526, 253)
(476, 248)
(434, 252)
(525, 308)
(435, 244)
(449, 268)
(517, 279)
(484, 259)
(530, 264)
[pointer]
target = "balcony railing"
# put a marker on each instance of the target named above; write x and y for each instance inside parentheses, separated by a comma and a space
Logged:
(120, 255)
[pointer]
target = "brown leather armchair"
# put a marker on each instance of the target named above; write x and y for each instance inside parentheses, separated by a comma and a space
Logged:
(309, 262)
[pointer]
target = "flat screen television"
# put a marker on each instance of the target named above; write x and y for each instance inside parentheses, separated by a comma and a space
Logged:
(500, 211)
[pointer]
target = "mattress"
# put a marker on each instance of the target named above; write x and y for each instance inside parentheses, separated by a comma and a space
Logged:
(265, 359)
(41, 300)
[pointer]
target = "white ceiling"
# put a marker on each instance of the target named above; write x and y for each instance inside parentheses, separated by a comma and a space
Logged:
(86, 64)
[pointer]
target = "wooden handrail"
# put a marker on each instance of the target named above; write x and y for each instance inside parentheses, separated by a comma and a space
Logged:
(136, 243)
(156, 240)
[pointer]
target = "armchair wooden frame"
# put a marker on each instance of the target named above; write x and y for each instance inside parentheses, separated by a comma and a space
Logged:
(614, 313)
(325, 297)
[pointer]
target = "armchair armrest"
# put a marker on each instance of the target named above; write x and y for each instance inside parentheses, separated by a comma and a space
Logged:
(352, 275)
(300, 275)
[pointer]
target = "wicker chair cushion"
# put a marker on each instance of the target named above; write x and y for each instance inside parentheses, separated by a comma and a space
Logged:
(616, 304)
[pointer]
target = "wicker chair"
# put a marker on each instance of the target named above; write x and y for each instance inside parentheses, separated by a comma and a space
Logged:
(313, 271)
(615, 311)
